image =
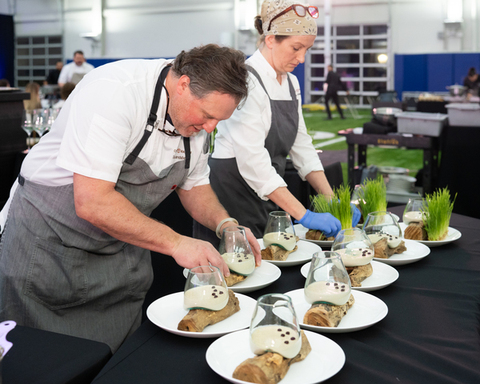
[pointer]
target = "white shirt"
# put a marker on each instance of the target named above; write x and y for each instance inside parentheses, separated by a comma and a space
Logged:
(69, 69)
(99, 125)
(243, 135)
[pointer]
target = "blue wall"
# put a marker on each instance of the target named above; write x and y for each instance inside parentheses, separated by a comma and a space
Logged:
(432, 72)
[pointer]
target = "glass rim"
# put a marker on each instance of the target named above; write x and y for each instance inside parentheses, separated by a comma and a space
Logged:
(270, 295)
(279, 213)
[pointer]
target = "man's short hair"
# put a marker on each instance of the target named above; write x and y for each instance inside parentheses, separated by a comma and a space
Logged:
(213, 68)
(79, 52)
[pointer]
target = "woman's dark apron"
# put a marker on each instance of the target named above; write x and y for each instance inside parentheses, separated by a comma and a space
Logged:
(60, 273)
(241, 201)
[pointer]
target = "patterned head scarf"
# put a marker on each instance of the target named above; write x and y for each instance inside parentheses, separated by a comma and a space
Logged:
(288, 24)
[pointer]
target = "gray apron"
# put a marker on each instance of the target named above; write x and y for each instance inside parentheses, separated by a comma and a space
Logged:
(241, 201)
(58, 272)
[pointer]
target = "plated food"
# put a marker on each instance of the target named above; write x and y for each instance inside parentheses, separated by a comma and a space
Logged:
(302, 255)
(167, 311)
(415, 251)
(324, 361)
(367, 311)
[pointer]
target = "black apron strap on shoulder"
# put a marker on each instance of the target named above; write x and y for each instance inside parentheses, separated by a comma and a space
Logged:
(255, 73)
(186, 145)
(152, 117)
(292, 90)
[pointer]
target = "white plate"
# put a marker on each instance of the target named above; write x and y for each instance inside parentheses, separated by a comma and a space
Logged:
(300, 231)
(415, 251)
(168, 311)
(452, 235)
(365, 312)
(324, 361)
(383, 275)
(303, 254)
(264, 275)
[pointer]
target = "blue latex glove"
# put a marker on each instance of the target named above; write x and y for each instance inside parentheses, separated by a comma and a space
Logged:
(325, 222)
(356, 215)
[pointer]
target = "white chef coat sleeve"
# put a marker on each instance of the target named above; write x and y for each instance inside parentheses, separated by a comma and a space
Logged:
(303, 154)
(63, 77)
(98, 130)
(248, 128)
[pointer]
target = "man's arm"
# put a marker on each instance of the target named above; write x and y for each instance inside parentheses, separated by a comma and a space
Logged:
(97, 202)
(203, 205)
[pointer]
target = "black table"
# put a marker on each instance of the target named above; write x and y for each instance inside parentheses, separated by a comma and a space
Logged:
(39, 356)
(430, 335)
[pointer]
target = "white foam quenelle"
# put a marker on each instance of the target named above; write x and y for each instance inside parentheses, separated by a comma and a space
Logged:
(279, 231)
(236, 251)
(205, 288)
(275, 327)
(327, 280)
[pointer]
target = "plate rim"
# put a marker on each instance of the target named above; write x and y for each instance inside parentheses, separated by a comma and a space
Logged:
(396, 261)
(374, 288)
(343, 330)
(196, 335)
(287, 263)
(310, 334)
(435, 243)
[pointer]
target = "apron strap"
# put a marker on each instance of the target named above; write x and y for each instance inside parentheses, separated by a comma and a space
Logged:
(152, 118)
(186, 145)
(290, 85)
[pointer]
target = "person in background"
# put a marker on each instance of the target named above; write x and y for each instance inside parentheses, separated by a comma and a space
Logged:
(251, 148)
(75, 248)
(52, 78)
(4, 83)
(34, 102)
(65, 91)
(334, 84)
(472, 82)
(73, 72)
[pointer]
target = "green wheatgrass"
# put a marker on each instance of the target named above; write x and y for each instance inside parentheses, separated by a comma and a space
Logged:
(372, 196)
(338, 206)
(437, 210)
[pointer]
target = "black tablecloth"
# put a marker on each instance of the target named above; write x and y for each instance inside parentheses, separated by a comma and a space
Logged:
(430, 335)
(39, 356)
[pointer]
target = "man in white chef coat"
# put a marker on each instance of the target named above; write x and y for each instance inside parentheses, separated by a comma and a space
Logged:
(75, 252)
(73, 72)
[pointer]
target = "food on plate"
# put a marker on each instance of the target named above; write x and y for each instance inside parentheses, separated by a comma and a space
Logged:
(271, 367)
(327, 315)
(287, 241)
(210, 311)
(274, 252)
(241, 265)
(387, 245)
(371, 196)
(357, 263)
(436, 212)
(315, 234)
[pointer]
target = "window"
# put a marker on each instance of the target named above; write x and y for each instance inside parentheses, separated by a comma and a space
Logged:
(35, 57)
(358, 54)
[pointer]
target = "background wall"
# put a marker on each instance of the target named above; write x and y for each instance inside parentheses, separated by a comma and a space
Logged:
(161, 28)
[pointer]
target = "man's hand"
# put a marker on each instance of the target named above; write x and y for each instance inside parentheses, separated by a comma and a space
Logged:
(190, 253)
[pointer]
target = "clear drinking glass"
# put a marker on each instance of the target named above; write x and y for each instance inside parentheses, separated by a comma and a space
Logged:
(327, 280)
(236, 251)
(28, 118)
(354, 247)
(41, 122)
(413, 211)
(382, 224)
(205, 288)
(279, 231)
(275, 327)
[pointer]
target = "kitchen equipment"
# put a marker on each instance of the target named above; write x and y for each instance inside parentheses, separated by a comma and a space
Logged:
(456, 90)
(464, 114)
(386, 115)
(421, 123)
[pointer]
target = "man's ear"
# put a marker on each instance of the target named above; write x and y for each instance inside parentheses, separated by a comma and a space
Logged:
(183, 84)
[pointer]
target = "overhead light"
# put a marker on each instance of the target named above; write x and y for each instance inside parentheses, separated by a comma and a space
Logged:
(382, 58)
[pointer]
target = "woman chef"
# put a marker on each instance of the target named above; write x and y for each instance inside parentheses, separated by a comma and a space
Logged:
(251, 147)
